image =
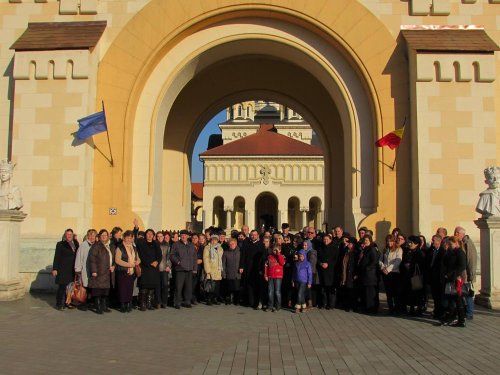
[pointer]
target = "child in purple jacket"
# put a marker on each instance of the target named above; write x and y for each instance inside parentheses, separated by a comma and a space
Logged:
(302, 279)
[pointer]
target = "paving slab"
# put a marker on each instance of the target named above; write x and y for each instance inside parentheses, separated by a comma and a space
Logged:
(38, 339)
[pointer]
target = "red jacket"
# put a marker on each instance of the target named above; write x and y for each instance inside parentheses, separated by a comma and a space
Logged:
(274, 266)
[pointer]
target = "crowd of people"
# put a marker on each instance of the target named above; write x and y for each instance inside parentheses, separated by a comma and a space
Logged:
(269, 270)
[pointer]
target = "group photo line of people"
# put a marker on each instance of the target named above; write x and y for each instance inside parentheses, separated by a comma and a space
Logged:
(268, 270)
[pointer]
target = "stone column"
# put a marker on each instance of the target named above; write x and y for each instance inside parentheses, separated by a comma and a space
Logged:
(251, 219)
(304, 216)
(228, 210)
(11, 286)
(490, 262)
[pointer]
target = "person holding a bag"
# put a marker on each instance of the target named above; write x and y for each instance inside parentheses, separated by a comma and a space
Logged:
(81, 265)
(415, 263)
(101, 266)
(212, 265)
(127, 262)
(454, 268)
(63, 267)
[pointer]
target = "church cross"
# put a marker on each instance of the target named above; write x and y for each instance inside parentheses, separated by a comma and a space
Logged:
(265, 171)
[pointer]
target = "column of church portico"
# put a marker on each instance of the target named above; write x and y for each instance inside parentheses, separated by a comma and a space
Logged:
(251, 219)
(283, 217)
(208, 217)
(304, 216)
(228, 210)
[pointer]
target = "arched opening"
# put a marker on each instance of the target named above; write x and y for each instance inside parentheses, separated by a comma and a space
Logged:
(266, 208)
(294, 214)
(219, 216)
(314, 215)
(235, 56)
(238, 214)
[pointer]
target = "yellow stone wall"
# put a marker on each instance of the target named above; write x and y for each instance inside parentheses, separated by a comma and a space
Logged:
(65, 186)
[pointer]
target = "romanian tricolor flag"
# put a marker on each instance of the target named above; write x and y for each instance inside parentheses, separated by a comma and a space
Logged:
(393, 139)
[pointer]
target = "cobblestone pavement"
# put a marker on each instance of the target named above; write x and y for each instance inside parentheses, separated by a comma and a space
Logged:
(37, 339)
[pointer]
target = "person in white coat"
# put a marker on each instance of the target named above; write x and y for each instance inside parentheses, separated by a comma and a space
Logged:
(81, 266)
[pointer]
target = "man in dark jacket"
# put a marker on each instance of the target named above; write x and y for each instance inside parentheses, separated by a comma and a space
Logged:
(251, 259)
(63, 267)
(183, 258)
(471, 258)
(327, 268)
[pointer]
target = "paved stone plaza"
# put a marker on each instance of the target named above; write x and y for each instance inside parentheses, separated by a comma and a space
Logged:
(37, 339)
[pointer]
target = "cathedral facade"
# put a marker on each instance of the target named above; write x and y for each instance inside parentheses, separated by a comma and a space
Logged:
(265, 172)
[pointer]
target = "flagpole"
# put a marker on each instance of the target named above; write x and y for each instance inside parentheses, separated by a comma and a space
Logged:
(107, 134)
(396, 151)
(102, 153)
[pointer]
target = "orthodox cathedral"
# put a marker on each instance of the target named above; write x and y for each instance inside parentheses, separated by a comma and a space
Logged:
(263, 170)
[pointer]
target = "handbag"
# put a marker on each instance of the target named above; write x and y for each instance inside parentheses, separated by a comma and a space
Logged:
(79, 293)
(450, 289)
(138, 270)
(137, 267)
(208, 284)
(417, 280)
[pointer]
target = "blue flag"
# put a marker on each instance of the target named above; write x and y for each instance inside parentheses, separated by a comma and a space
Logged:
(91, 125)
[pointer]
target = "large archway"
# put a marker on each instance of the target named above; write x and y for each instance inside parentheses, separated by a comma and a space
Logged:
(231, 55)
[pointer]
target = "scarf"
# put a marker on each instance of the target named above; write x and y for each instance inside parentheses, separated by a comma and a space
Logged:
(214, 252)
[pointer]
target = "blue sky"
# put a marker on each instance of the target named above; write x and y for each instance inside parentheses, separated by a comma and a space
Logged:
(202, 143)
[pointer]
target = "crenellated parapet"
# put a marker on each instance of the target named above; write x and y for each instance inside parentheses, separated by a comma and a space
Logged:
(455, 67)
(52, 64)
(69, 6)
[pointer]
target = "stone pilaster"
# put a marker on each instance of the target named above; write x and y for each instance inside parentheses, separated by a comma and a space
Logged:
(11, 285)
(490, 262)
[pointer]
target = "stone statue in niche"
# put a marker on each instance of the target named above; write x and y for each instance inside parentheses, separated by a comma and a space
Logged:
(489, 200)
(10, 195)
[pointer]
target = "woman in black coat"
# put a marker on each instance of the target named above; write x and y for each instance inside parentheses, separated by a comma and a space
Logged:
(101, 264)
(327, 269)
(231, 272)
(150, 255)
(454, 265)
(367, 275)
(414, 261)
(63, 267)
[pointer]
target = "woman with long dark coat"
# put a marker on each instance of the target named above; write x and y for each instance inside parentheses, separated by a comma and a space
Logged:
(101, 264)
(414, 263)
(63, 267)
(150, 255)
(327, 270)
(454, 272)
(367, 274)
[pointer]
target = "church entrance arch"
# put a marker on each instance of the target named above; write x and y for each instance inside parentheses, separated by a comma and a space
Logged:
(230, 54)
(266, 208)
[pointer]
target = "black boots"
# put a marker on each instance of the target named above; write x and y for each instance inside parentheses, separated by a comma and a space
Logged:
(149, 303)
(123, 307)
(143, 296)
(104, 304)
(98, 305)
